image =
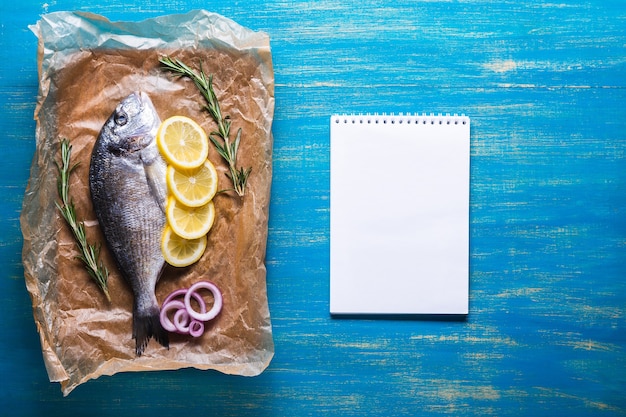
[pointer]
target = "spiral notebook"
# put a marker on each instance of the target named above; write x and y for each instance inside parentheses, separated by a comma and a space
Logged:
(399, 215)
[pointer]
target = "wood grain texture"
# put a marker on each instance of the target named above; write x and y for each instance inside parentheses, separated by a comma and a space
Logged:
(544, 84)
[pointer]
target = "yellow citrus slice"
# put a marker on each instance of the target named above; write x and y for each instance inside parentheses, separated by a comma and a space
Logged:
(182, 142)
(181, 252)
(189, 222)
(193, 187)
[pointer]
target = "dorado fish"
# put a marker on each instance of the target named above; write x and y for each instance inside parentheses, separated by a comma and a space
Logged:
(128, 191)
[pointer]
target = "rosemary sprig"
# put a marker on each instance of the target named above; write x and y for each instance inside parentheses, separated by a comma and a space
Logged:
(89, 253)
(221, 137)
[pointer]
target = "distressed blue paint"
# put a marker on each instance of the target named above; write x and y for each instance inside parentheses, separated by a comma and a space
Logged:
(545, 86)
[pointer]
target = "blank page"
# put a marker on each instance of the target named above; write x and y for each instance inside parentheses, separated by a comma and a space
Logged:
(399, 214)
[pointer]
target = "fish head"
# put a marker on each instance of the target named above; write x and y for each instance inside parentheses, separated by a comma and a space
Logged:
(132, 126)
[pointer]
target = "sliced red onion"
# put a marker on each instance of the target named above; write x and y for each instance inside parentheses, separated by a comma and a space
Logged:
(217, 301)
(174, 294)
(186, 320)
(196, 328)
(181, 321)
(170, 305)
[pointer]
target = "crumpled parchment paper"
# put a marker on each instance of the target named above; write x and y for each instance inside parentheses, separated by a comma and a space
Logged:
(87, 64)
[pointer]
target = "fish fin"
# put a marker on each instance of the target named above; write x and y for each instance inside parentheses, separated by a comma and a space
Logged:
(155, 168)
(147, 324)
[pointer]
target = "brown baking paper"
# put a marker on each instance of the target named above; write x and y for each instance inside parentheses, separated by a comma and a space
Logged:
(87, 65)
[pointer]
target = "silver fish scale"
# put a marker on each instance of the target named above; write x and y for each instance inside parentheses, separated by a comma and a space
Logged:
(132, 222)
(127, 194)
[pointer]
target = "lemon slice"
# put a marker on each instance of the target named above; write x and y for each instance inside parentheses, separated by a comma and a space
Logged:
(193, 187)
(182, 142)
(181, 252)
(189, 222)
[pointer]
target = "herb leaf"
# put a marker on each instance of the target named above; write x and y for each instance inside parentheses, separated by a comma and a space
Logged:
(221, 137)
(89, 253)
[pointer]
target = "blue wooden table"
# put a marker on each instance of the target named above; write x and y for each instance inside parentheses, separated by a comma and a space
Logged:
(545, 86)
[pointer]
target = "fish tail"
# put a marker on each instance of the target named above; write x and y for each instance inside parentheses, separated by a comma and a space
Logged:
(147, 324)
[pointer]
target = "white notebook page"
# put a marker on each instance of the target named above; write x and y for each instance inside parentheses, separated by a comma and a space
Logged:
(399, 228)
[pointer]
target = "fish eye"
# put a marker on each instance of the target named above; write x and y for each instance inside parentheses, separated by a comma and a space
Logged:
(121, 118)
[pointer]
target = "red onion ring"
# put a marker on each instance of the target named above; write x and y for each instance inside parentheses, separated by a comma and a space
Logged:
(181, 321)
(174, 294)
(186, 320)
(165, 321)
(217, 301)
(196, 328)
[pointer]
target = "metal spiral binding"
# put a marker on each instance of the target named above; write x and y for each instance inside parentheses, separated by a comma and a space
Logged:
(401, 118)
